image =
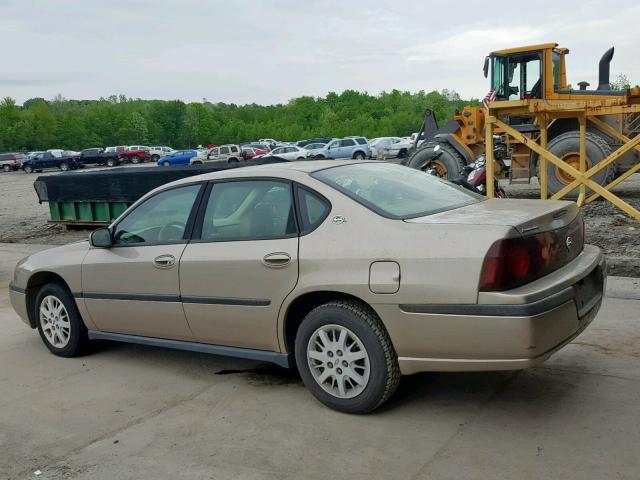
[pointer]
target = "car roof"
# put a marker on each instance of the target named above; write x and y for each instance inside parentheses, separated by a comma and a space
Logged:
(284, 169)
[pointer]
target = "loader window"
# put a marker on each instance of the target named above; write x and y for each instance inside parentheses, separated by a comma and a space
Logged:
(517, 77)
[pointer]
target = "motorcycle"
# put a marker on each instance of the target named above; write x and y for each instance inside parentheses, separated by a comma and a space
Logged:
(476, 180)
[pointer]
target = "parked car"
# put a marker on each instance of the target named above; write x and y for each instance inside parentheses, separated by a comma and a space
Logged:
(305, 143)
(348, 147)
(248, 153)
(389, 147)
(157, 152)
(99, 156)
(56, 152)
(48, 160)
(289, 152)
(223, 153)
(273, 268)
(137, 154)
(10, 162)
(119, 149)
(313, 148)
(179, 157)
(268, 141)
(34, 153)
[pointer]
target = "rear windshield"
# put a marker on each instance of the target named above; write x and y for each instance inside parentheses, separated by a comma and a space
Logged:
(395, 191)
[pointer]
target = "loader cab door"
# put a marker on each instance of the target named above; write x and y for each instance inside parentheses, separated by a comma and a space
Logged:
(517, 76)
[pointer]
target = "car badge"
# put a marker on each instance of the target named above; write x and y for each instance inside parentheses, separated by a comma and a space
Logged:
(569, 243)
(338, 219)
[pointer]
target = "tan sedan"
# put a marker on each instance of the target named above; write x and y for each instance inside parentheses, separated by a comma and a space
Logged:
(355, 272)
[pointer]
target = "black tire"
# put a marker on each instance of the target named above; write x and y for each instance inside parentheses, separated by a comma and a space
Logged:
(78, 339)
(597, 149)
(359, 156)
(365, 324)
(300, 158)
(197, 162)
(111, 162)
(402, 153)
(319, 157)
(28, 169)
(6, 168)
(449, 158)
(232, 160)
(64, 166)
(155, 158)
(135, 159)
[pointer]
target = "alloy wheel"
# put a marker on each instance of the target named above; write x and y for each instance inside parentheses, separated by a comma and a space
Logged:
(338, 361)
(54, 319)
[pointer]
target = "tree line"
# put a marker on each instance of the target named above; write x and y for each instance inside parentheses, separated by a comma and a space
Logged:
(40, 124)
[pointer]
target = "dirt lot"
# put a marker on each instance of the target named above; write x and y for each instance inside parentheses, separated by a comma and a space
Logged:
(23, 220)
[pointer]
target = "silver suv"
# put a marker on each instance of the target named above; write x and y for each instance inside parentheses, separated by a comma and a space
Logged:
(348, 147)
(223, 153)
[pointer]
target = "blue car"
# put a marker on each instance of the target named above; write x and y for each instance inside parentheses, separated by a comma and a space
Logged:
(179, 157)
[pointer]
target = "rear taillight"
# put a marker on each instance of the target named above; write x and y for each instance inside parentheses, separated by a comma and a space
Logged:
(512, 262)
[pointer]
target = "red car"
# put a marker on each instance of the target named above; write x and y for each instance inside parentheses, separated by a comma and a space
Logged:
(250, 152)
(136, 154)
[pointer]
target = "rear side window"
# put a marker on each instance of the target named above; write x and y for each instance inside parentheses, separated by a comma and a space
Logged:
(361, 140)
(249, 210)
(313, 210)
(224, 150)
(347, 142)
(234, 149)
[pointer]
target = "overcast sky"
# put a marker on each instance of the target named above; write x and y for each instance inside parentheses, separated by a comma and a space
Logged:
(245, 51)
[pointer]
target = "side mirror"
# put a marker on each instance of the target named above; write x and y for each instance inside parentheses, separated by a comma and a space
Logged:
(101, 238)
(485, 69)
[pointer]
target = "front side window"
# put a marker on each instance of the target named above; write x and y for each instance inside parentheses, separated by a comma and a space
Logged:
(395, 191)
(334, 144)
(249, 210)
(162, 219)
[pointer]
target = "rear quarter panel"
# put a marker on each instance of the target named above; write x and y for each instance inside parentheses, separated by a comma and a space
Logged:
(439, 263)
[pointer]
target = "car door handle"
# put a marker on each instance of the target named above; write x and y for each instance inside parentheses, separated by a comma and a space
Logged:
(276, 259)
(164, 261)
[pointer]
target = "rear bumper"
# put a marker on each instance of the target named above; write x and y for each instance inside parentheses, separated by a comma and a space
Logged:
(499, 336)
(18, 298)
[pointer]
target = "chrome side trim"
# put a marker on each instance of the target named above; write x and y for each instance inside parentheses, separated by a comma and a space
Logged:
(281, 359)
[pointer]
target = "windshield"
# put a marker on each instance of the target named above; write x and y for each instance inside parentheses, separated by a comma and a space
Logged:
(395, 191)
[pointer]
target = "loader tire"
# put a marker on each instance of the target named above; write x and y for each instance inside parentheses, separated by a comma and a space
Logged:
(567, 147)
(449, 164)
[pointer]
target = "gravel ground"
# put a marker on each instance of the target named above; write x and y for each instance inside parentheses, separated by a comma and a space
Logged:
(23, 219)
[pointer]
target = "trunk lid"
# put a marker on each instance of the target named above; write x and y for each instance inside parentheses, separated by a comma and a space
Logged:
(528, 217)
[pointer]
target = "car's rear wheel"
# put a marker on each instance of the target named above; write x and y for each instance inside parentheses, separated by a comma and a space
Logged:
(233, 160)
(359, 156)
(166, 163)
(111, 162)
(59, 323)
(28, 169)
(64, 167)
(6, 168)
(155, 158)
(135, 159)
(346, 358)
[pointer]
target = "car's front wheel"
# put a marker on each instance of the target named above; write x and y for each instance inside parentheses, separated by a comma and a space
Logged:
(28, 169)
(166, 163)
(346, 358)
(64, 167)
(359, 156)
(59, 323)
(135, 159)
(111, 162)
(6, 168)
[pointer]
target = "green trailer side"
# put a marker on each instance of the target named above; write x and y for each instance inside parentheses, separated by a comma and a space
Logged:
(86, 213)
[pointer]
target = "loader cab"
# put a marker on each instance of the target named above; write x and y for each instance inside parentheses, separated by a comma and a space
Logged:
(533, 72)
